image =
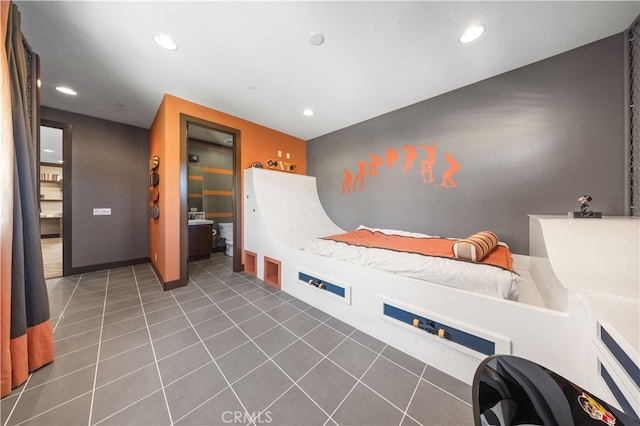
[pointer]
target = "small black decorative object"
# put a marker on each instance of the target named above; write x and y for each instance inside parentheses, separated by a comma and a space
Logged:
(584, 213)
(154, 178)
(272, 164)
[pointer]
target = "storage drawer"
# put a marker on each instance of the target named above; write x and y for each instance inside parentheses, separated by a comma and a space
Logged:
(327, 286)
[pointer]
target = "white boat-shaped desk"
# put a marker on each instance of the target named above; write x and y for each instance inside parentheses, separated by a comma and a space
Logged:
(595, 262)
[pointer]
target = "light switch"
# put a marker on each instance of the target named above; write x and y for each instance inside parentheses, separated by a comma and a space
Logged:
(279, 153)
(288, 156)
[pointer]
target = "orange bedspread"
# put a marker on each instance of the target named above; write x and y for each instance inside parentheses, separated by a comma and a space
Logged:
(431, 246)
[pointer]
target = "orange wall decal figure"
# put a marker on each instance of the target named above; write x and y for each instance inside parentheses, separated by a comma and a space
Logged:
(426, 165)
(346, 185)
(373, 166)
(447, 175)
(392, 157)
(351, 183)
(360, 177)
(410, 158)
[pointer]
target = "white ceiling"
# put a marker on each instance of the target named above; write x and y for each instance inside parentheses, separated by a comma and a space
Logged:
(254, 59)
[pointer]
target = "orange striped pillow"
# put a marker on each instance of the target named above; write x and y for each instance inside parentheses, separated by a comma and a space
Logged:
(476, 246)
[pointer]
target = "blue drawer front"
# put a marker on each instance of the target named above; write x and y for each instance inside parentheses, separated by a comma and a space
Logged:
(335, 289)
(453, 334)
(617, 393)
(627, 363)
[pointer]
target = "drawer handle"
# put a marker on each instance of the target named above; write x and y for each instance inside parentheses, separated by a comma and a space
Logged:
(317, 284)
(430, 327)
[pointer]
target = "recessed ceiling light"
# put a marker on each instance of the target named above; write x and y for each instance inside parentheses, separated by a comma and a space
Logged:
(165, 41)
(308, 112)
(66, 90)
(471, 34)
(48, 150)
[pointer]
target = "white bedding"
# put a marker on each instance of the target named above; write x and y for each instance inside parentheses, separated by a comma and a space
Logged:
(480, 278)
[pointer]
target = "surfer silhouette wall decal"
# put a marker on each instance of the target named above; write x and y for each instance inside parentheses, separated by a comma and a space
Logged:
(392, 156)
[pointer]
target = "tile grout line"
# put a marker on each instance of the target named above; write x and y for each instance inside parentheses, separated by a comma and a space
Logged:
(95, 374)
(243, 281)
(356, 384)
(322, 358)
(213, 360)
(15, 404)
(155, 358)
(447, 392)
(67, 304)
(24, 422)
(379, 354)
(26, 383)
(404, 413)
(269, 358)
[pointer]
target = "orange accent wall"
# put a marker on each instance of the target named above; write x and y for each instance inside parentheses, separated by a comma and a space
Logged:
(258, 143)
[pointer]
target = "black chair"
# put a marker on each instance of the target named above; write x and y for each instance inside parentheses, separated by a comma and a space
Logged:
(508, 390)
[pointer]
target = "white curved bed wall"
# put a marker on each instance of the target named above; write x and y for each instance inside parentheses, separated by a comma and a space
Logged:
(281, 211)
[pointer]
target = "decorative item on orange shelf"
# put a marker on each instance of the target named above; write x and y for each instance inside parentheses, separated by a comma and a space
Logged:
(281, 165)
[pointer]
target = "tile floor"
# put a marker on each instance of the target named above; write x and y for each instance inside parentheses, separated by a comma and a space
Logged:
(225, 349)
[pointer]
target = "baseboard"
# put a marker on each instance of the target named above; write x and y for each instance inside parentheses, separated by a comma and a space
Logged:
(168, 285)
(110, 265)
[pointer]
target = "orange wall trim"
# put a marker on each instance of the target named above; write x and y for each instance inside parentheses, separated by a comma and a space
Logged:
(218, 171)
(258, 143)
(214, 192)
(217, 215)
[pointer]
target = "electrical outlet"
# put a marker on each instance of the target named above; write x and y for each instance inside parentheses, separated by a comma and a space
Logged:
(288, 156)
(102, 212)
(279, 153)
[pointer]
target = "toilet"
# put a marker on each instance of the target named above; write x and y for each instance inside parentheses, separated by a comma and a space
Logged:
(226, 232)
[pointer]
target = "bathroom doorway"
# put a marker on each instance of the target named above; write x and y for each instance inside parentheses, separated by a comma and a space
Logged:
(212, 190)
(54, 189)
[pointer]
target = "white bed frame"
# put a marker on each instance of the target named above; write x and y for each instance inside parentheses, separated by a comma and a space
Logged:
(283, 210)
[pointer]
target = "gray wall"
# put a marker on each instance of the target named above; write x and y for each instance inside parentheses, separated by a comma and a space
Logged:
(528, 141)
(109, 170)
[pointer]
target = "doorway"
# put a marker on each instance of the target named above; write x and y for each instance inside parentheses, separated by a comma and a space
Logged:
(54, 189)
(211, 168)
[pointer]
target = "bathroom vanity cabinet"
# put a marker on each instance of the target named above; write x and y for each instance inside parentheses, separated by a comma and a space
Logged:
(199, 241)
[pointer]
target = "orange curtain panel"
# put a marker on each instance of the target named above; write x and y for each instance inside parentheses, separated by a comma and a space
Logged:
(26, 335)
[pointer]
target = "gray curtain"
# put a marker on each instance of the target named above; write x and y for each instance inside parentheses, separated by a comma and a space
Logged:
(633, 165)
(31, 336)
